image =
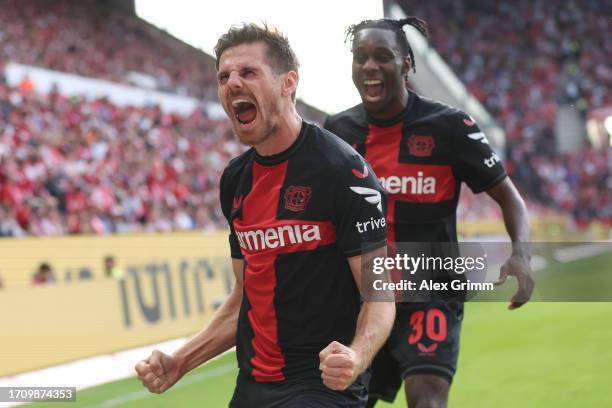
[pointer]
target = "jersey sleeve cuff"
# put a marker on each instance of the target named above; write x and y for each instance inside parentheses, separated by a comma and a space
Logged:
(490, 184)
(237, 255)
(370, 246)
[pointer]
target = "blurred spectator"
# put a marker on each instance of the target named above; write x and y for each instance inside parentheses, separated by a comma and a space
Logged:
(44, 275)
(111, 270)
(9, 227)
(26, 85)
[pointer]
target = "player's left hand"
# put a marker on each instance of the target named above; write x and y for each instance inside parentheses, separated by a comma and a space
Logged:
(340, 366)
(518, 266)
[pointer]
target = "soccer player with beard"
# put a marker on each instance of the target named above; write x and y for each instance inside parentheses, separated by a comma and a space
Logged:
(422, 151)
(294, 201)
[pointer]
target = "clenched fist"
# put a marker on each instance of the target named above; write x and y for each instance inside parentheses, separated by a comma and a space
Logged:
(340, 366)
(158, 372)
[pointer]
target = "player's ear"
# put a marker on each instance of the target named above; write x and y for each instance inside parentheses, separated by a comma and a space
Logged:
(290, 83)
(406, 66)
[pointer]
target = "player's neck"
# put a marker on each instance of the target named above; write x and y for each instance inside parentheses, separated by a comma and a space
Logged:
(282, 137)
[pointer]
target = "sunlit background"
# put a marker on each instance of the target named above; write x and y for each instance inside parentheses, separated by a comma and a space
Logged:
(112, 143)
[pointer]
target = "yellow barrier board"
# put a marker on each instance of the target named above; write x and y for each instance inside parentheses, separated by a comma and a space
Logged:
(171, 287)
(77, 257)
(548, 229)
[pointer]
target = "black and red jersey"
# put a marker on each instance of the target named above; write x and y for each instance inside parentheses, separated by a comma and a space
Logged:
(295, 217)
(421, 157)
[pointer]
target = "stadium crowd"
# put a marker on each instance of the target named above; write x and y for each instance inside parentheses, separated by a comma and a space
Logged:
(91, 39)
(69, 165)
(522, 59)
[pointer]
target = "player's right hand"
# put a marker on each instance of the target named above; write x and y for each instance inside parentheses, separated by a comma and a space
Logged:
(158, 372)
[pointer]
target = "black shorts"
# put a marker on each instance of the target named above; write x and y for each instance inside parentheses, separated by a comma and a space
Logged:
(424, 340)
(297, 394)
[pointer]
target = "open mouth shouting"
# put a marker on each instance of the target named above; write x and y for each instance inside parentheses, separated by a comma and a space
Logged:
(245, 112)
(373, 89)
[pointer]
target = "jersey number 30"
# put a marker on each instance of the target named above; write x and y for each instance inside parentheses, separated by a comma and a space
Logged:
(434, 322)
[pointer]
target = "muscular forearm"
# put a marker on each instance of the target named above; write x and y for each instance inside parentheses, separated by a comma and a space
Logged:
(517, 224)
(217, 337)
(373, 327)
(516, 217)
(516, 221)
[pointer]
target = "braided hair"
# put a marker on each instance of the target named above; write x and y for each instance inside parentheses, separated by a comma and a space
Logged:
(394, 25)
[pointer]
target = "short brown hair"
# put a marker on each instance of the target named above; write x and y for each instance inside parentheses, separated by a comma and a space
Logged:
(281, 56)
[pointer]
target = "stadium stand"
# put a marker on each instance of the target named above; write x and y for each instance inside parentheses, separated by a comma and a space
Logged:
(70, 165)
(522, 59)
(92, 39)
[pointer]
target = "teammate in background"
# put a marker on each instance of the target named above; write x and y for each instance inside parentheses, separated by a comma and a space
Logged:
(111, 270)
(302, 336)
(422, 150)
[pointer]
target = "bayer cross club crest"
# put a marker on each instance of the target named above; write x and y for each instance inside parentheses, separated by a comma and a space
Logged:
(296, 197)
(421, 146)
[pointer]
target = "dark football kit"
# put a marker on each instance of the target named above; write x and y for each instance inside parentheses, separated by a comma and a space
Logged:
(421, 157)
(293, 218)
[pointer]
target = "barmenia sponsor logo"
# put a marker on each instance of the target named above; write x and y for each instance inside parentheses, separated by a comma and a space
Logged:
(412, 185)
(275, 237)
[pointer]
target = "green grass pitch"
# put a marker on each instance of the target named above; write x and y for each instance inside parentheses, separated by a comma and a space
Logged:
(543, 355)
